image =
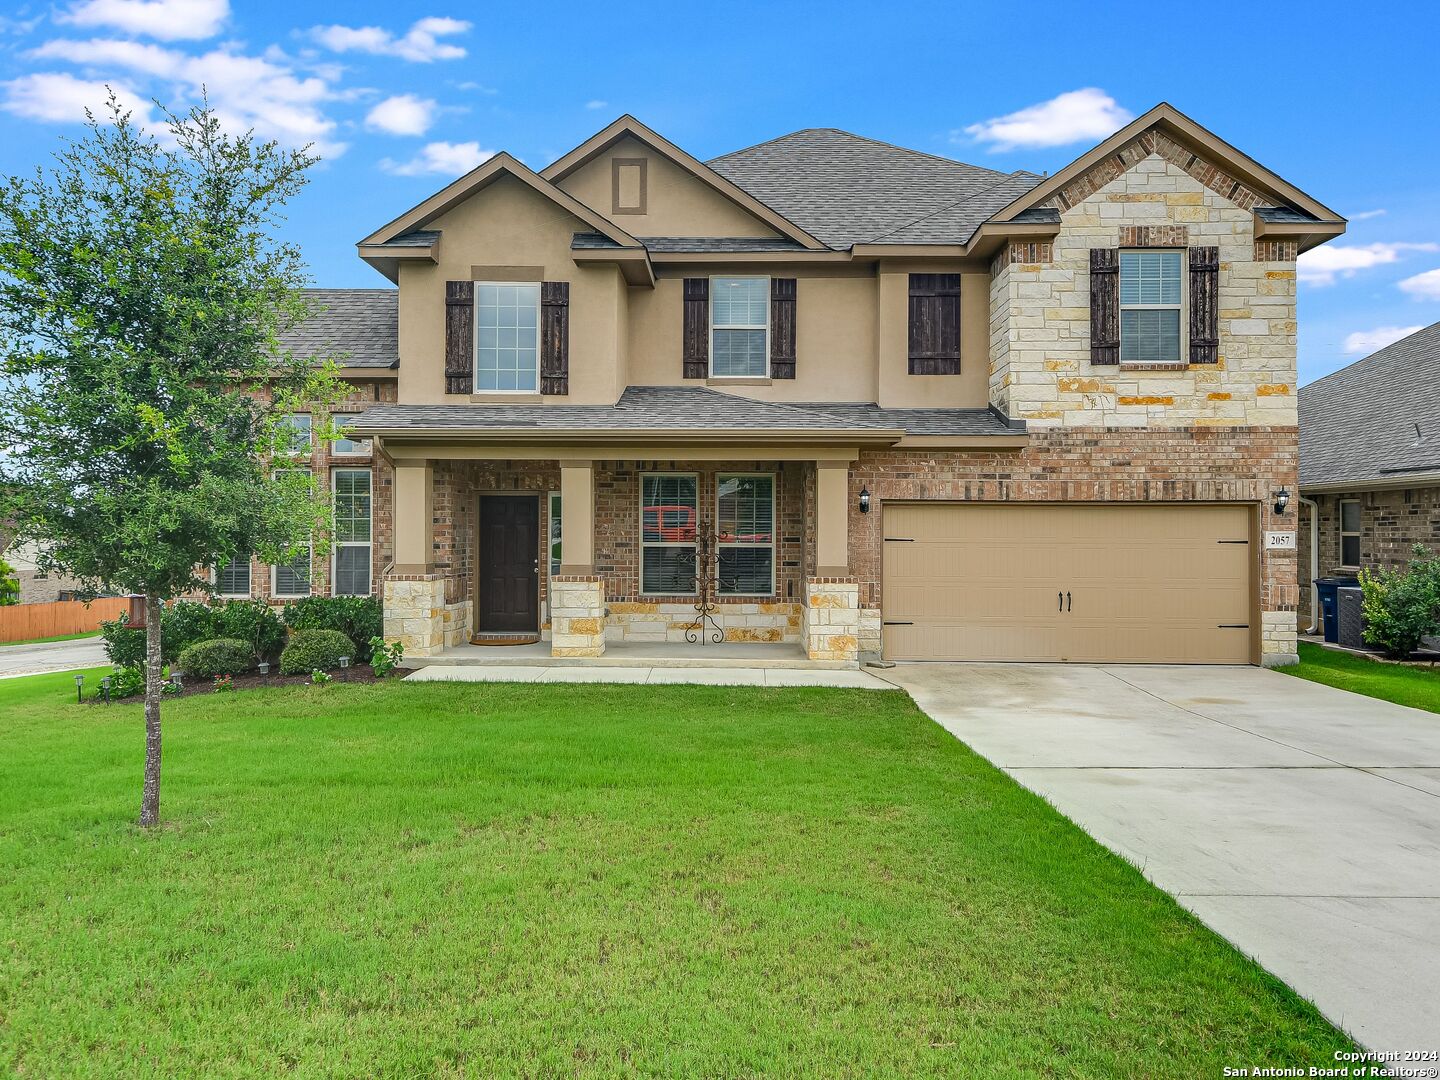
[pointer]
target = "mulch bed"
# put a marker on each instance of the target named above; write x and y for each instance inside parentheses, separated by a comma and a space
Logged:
(189, 687)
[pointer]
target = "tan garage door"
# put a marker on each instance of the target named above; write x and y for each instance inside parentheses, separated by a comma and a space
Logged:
(1103, 583)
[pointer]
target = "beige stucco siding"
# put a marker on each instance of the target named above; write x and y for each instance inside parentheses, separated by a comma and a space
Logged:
(1040, 341)
(509, 225)
(676, 203)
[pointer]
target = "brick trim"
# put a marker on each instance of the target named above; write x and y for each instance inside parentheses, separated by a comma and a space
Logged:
(1141, 147)
(1031, 252)
(1154, 235)
(1276, 250)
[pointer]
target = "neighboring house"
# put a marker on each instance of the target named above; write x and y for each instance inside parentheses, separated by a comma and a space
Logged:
(884, 401)
(36, 586)
(1370, 461)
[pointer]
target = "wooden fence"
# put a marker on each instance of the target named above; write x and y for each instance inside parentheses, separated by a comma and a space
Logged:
(25, 622)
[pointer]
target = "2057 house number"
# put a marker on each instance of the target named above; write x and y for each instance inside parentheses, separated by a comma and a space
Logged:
(1279, 541)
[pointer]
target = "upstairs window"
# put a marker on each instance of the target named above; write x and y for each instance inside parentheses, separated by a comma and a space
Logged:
(299, 425)
(507, 320)
(739, 327)
(344, 443)
(1150, 299)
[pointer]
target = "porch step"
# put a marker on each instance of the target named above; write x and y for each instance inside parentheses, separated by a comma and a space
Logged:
(477, 656)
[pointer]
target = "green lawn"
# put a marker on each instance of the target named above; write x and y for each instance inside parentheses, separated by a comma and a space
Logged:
(505, 880)
(57, 637)
(1418, 687)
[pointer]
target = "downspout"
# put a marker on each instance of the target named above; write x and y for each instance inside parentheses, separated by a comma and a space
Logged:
(1314, 563)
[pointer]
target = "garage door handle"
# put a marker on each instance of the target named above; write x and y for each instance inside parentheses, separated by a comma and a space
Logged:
(1060, 599)
(1069, 605)
(1233, 626)
(893, 622)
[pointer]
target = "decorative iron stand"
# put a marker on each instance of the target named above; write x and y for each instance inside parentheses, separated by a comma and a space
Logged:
(705, 629)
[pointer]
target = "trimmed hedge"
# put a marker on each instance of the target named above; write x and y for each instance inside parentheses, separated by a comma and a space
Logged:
(254, 621)
(219, 656)
(359, 618)
(311, 649)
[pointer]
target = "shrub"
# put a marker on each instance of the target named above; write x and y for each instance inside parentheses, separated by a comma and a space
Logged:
(124, 644)
(219, 656)
(127, 681)
(252, 621)
(9, 585)
(359, 618)
(312, 649)
(1402, 606)
(385, 658)
(183, 624)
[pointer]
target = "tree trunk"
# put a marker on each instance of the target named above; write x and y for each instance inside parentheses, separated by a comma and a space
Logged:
(150, 800)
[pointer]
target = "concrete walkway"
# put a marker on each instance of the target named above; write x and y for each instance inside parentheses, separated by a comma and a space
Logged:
(1300, 822)
(641, 673)
(51, 656)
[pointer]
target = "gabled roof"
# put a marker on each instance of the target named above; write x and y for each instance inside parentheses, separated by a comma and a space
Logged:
(850, 190)
(1308, 218)
(628, 126)
(406, 236)
(357, 328)
(1376, 421)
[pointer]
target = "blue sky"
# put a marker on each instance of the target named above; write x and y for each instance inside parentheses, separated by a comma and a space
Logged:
(401, 98)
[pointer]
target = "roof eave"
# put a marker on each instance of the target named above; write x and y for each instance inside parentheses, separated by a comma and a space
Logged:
(634, 263)
(502, 436)
(1307, 234)
(387, 259)
(1388, 482)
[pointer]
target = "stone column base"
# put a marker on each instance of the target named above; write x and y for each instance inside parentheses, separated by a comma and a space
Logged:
(415, 613)
(1278, 639)
(577, 616)
(832, 619)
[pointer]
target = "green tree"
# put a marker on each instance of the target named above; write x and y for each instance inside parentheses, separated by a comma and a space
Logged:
(142, 387)
(9, 585)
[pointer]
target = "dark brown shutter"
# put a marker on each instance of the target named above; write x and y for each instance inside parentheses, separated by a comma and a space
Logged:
(1104, 306)
(934, 324)
(696, 340)
(554, 337)
(782, 328)
(1204, 305)
(460, 337)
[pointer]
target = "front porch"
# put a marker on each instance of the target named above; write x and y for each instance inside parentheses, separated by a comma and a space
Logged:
(622, 653)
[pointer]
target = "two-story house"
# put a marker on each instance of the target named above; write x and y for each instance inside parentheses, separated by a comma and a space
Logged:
(835, 392)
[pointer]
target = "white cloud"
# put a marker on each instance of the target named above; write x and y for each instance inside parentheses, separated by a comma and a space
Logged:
(1323, 265)
(1088, 114)
(420, 43)
(596, 104)
(448, 159)
(1424, 286)
(403, 114)
(1366, 215)
(168, 20)
(62, 99)
(264, 93)
(1367, 341)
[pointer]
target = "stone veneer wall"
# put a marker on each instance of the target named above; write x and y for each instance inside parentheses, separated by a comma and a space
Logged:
(577, 616)
(832, 615)
(1201, 464)
(1040, 368)
(1392, 522)
(416, 613)
(750, 623)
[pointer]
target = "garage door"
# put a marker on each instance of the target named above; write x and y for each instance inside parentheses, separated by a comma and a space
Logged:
(1103, 583)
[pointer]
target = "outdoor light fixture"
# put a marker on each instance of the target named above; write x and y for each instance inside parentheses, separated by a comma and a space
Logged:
(175, 680)
(344, 663)
(105, 689)
(79, 682)
(1282, 500)
(264, 669)
(864, 500)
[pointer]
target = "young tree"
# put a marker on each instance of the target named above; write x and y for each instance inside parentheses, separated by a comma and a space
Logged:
(142, 389)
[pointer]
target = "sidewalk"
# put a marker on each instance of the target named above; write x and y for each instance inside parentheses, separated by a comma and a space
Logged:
(643, 673)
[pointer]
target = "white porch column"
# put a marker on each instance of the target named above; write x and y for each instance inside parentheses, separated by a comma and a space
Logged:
(414, 597)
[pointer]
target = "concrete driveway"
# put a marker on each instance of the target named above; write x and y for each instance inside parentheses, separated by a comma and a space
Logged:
(51, 656)
(1300, 822)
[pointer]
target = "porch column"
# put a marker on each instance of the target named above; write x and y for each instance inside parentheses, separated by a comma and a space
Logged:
(832, 519)
(832, 597)
(577, 593)
(414, 597)
(577, 518)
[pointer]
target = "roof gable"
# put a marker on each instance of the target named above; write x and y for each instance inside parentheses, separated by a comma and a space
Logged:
(628, 127)
(848, 190)
(1166, 131)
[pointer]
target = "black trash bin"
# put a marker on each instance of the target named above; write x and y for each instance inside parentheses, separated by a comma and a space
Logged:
(1330, 603)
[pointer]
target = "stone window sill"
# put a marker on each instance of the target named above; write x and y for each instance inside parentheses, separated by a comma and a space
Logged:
(1163, 365)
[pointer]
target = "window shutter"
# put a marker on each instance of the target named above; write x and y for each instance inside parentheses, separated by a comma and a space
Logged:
(554, 337)
(934, 324)
(460, 337)
(1104, 306)
(782, 328)
(696, 340)
(1204, 305)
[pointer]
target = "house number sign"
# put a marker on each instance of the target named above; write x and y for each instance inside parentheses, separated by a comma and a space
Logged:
(1279, 541)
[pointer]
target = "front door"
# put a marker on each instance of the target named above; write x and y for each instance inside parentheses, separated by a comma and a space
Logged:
(509, 565)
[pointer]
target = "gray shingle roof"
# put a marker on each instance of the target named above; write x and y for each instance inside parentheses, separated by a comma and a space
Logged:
(354, 327)
(846, 190)
(679, 409)
(1377, 419)
(1281, 213)
(417, 239)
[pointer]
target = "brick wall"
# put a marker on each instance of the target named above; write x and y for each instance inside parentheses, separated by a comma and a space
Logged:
(1200, 464)
(1391, 524)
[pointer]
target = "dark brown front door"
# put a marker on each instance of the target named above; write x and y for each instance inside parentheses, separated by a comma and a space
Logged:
(509, 601)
